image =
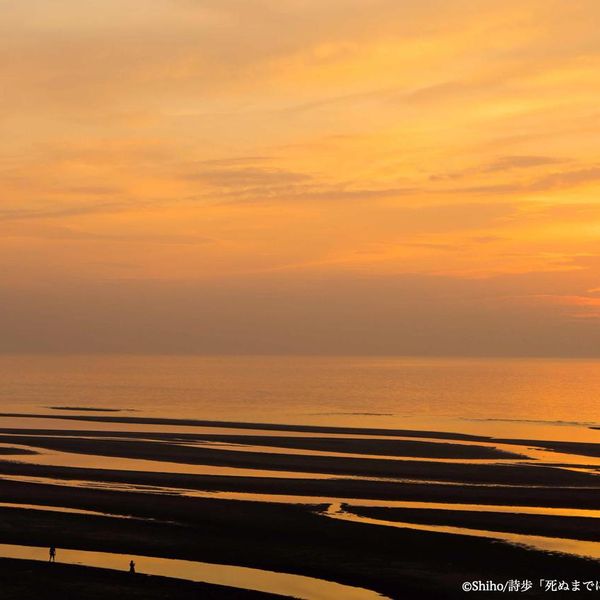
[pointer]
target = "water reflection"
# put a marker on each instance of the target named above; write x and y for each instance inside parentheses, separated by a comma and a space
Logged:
(547, 544)
(295, 586)
(310, 500)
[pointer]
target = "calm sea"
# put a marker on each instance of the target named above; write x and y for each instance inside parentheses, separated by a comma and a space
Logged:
(551, 399)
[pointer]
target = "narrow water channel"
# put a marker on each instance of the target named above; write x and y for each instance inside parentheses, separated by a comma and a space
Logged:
(580, 548)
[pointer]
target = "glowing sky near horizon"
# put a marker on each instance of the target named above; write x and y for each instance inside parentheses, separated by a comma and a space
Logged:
(283, 175)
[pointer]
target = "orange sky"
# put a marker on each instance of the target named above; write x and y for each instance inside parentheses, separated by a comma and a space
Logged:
(285, 175)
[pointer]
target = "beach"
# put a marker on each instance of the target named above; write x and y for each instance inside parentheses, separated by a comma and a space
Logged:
(343, 506)
(276, 523)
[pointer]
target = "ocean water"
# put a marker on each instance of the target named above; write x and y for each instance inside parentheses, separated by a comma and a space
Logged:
(539, 399)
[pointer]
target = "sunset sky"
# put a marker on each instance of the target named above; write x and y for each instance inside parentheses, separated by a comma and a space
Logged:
(281, 176)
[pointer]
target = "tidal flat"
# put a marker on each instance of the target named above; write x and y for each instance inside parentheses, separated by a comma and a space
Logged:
(324, 505)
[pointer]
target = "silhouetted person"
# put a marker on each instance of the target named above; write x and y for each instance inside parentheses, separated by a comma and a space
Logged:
(132, 567)
(52, 554)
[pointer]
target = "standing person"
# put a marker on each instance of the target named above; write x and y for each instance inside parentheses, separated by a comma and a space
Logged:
(52, 554)
(131, 567)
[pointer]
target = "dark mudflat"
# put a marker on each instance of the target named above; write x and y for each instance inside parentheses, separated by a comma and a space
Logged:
(86, 409)
(400, 563)
(29, 580)
(562, 497)
(580, 448)
(498, 474)
(385, 447)
(16, 452)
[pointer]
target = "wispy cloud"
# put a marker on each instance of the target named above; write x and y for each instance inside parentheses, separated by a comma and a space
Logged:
(24, 214)
(507, 163)
(553, 181)
(63, 233)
